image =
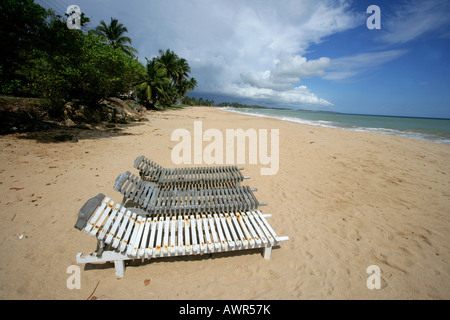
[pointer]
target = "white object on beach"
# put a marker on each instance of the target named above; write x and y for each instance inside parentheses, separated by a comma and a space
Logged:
(173, 235)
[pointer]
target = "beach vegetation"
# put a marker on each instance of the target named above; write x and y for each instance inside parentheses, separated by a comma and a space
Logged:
(43, 58)
(191, 101)
(167, 80)
(80, 67)
(113, 34)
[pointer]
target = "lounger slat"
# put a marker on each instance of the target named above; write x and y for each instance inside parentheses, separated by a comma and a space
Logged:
(108, 223)
(195, 246)
(132, 185)
(239, 230)
(97, 214)
(266, 232)
(173, 224)
(181, 247)
(231, 243)
(209, 243)
(123, 225)
(144, 240)
(131, 224)
(257, 228)
(187, 237)
(136, 237)
(222, 242)
(234, 235)
(112, 232)
(247, 222)
(213, 232)
(243, 225)
(99, 222)
(157, 251)
(201, 235)
(151, 242)
(165, 244)
(266, 223)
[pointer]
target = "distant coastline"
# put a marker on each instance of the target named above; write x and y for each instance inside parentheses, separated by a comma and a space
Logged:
(428, 129)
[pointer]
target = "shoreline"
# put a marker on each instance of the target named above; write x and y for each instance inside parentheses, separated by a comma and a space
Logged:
(409, 133)
(347, 200)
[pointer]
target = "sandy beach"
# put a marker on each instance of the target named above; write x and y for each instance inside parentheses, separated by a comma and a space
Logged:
(346, 200)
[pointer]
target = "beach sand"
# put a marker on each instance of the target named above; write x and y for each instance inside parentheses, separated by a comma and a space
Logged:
(346, 200)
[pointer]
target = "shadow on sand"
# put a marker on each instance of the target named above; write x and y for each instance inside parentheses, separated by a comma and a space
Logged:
(58, 134)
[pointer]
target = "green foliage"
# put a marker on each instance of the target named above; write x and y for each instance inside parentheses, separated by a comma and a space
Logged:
(41, 57)
(45, 58)
(238, 105)
(156, 81)
(21, 25)
(197, 101)
(167, 80)
(81, 67)
(113, 35)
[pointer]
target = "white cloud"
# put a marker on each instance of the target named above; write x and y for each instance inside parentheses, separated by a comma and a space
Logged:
(414, 19)
(256, 48)
(350, 66)
(299, 66)
(287, 71)
(295, 96)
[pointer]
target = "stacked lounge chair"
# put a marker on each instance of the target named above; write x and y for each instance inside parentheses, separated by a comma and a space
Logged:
(175, 177)
(172, 221)
(155, 199)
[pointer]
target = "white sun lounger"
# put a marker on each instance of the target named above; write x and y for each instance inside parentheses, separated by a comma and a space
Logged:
(212, 176)
(126, 234)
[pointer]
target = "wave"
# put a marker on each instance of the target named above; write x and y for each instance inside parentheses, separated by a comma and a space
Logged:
(411, 134)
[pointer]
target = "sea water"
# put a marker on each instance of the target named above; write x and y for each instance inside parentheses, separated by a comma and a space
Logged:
(429, 129)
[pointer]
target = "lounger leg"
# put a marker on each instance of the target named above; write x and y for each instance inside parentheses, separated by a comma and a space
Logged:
(100, 247)
(266, 252)
(120, 267)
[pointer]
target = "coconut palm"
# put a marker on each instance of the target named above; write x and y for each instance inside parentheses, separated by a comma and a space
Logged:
(184, 86)
(178, 71)
(156, 82)
(167, 80)
(169, 60)
(113, 34)
(183, 70)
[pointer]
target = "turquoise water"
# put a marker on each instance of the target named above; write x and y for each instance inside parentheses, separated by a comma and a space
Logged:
(435, 130)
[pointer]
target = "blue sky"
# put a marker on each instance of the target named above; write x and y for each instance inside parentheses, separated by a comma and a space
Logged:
(308, 54)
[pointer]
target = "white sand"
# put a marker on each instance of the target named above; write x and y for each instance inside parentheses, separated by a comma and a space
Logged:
(347, 200)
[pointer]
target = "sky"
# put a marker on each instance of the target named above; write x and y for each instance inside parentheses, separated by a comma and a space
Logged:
(310, 54)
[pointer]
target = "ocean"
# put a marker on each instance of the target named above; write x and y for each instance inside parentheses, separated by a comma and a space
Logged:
(429, 129)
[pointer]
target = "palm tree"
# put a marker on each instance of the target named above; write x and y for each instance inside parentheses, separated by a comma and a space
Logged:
(184, 86)
(169, 60)
(178, 71)
(167, 80)
(113, 34)
(156, 82)
(183, 70)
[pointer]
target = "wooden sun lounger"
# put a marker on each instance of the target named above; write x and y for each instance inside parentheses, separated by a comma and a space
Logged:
(182, 177)
(160, 200)
(125, 234)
